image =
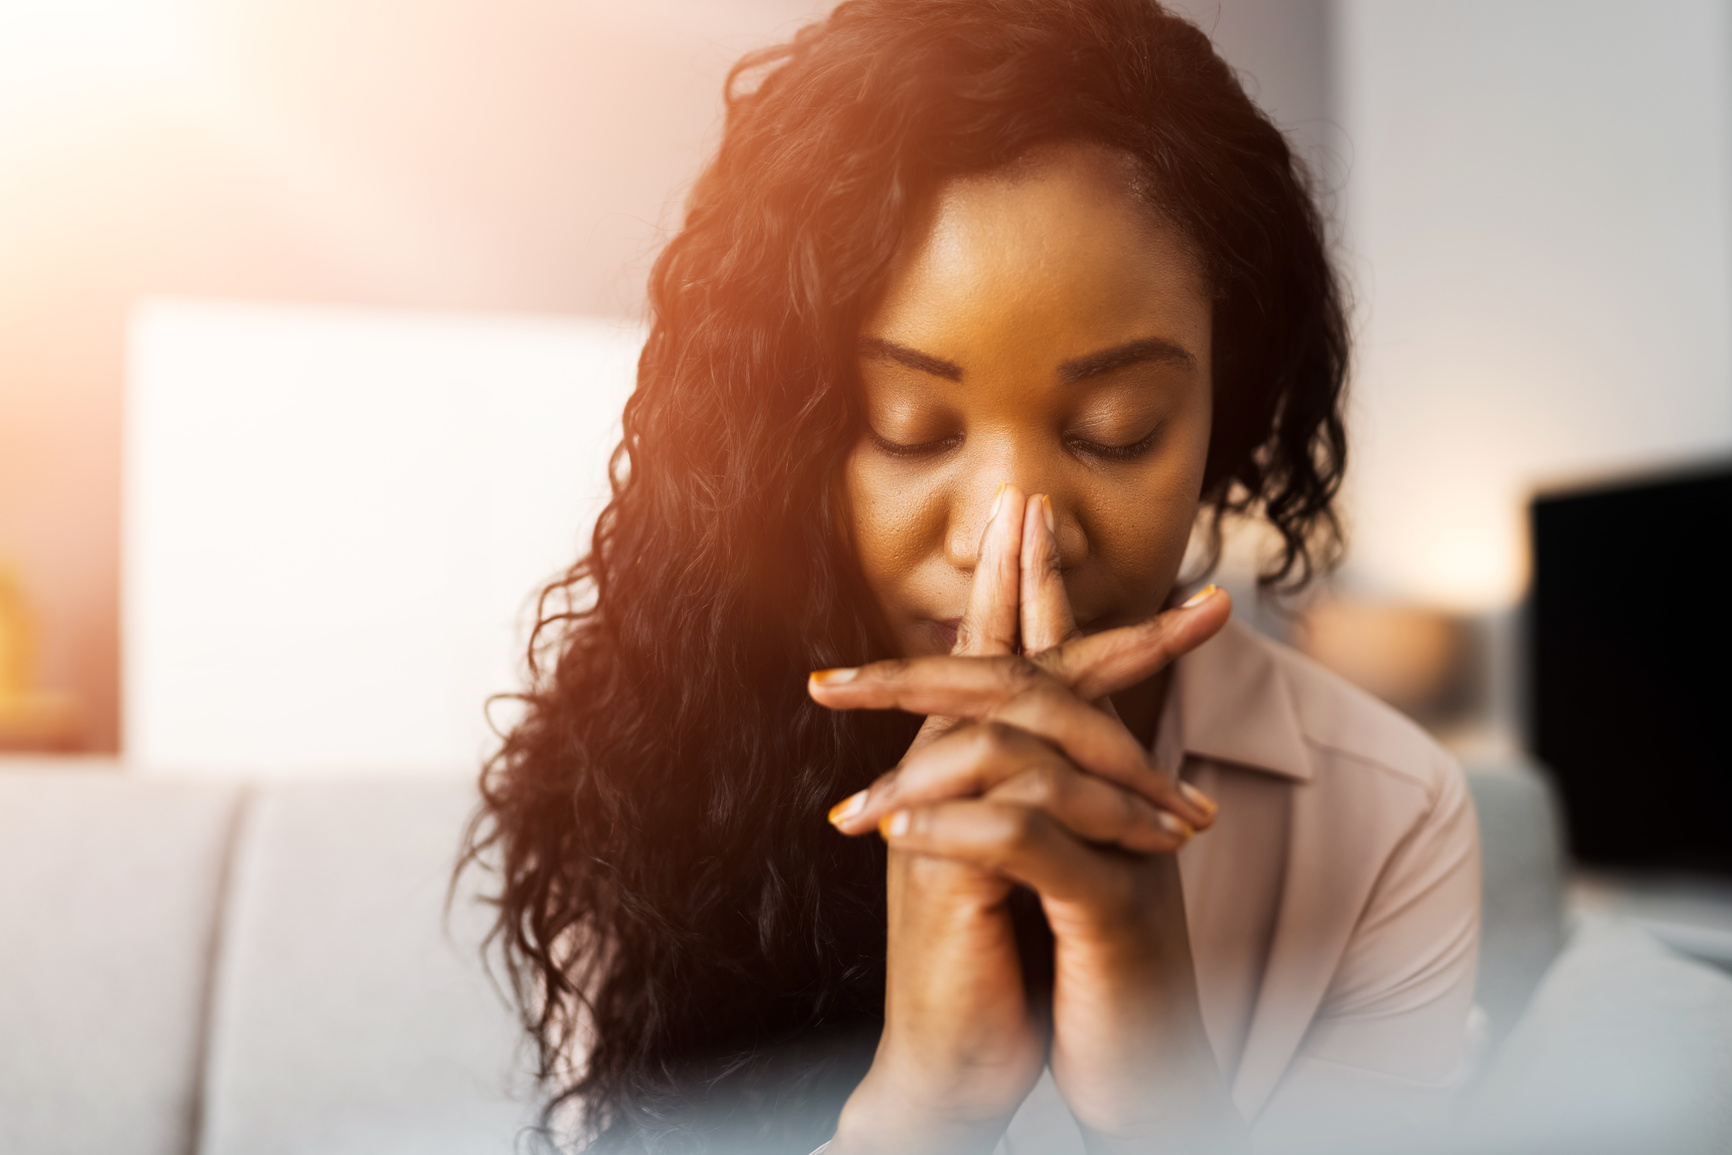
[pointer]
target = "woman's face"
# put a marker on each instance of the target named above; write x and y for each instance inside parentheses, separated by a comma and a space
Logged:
(1041, 328)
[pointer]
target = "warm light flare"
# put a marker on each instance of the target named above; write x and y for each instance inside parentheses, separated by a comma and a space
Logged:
(56, 41)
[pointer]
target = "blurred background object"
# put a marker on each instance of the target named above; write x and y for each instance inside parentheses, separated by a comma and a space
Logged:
(338, 522)
(30, 720)
(1412, 657)
(1628, 670)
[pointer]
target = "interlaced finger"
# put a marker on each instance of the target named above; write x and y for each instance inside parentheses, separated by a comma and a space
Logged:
(1047, 620)
(1022, 843)
(1015, 691)
(1105, 663)
(1094, 809)
(969, 759)
(989, 624)
(995, 760)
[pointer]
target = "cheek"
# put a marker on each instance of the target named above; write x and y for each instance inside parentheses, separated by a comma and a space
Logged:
(1145, 522)
(896, 520)
(1143, 534)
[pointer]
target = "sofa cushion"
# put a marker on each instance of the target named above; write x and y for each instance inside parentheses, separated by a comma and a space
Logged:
(109, 890)
(349, 1014)
(1625, 1047)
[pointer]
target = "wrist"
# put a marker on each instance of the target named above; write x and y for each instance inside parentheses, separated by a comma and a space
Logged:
(1183, 1112)
(883, 1118)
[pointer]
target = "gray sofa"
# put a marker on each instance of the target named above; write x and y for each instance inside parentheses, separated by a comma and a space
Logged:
(195, 966)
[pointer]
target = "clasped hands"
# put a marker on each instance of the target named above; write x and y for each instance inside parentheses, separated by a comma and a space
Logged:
(1023, 774)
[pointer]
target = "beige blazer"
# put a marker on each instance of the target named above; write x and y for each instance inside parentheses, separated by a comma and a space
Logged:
(1334, 905)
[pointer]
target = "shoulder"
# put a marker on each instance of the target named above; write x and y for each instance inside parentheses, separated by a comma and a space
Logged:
(1250, 700)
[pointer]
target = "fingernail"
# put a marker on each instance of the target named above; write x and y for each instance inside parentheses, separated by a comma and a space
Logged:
(1198, 799)
(836, 676)
(1176, 826)
(1201, 596)
(1046, 510)
(997, 500)
(847, 808)
(894, 825)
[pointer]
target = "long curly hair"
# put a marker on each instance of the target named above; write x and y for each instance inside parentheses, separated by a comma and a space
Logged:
(698, 958)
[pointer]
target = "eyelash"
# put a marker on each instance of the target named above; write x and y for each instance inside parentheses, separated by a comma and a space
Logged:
(1092, 449)
(924, 449)
(1119, 452)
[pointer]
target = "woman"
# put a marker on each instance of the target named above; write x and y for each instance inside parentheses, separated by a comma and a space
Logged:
(980, 308)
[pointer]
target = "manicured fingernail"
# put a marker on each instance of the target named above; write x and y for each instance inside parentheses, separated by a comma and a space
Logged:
(847, 808)
(1201, 596)
(836, 676)
(1046, 510)
(894, 824)
(997, 500)
(1198, 799)
(1176, 826)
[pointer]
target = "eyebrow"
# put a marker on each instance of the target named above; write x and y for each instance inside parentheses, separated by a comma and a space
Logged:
(1157, 349)
(878, 349)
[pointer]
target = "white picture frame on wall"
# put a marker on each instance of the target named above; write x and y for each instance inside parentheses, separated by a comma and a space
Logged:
(336, 522)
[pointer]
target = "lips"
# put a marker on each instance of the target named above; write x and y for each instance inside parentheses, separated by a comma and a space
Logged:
(946, 632)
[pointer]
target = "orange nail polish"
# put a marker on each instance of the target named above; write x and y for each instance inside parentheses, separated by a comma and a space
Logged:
(1198, 799)
(1201, 596)
(997, 500)
(894, 824)
(847, 808)
(836, 676)
(1046, 510)
(1176, 825)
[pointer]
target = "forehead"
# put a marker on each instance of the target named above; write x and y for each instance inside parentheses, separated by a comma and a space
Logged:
(1058, 250)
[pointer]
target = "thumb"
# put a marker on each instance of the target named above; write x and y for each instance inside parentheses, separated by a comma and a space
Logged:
(1113, 660)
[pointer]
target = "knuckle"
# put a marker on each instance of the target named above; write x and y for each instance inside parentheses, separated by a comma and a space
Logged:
(993, 738)
(889, 670)
(1022, 828)
(1047, 695)
(1048, 784)
(1161, 634)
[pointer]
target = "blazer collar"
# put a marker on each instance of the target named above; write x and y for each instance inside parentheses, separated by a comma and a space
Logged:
(1235, 704)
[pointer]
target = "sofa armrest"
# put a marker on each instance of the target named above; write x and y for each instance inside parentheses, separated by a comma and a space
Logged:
(1522, 863)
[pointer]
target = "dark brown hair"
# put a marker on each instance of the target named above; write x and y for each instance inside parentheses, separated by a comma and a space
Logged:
(670, 898)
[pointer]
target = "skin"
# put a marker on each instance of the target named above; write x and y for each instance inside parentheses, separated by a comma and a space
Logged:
(1019, 281)
(1037, 385)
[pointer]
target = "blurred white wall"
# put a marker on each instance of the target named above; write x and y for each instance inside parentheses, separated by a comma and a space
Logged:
(1539, 221)
(337, 522)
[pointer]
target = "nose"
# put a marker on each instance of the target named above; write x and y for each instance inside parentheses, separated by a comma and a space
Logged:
(971, 509)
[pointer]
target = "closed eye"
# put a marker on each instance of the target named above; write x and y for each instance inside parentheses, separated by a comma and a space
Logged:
(1115, 452)
(922, 449)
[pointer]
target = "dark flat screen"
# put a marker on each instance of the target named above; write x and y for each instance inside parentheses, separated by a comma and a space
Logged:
(1629, 648)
